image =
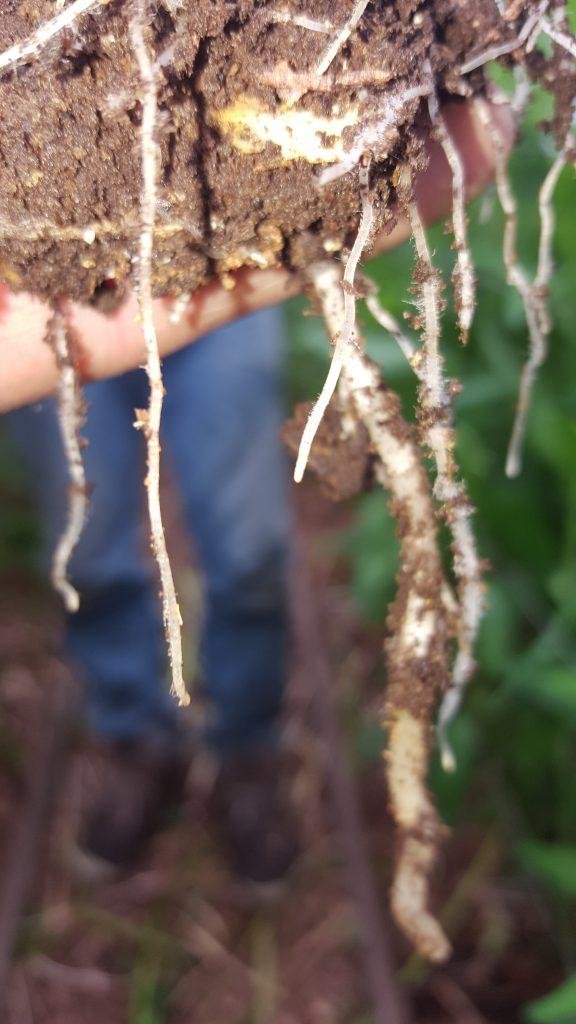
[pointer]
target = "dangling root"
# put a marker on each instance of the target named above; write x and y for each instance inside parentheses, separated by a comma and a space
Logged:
(30, 48)
(389, 323)
(71, 417)
(534, 296)
(417, 649)
(346, 336)
(435, 416)
(463, 277)
(149, 420)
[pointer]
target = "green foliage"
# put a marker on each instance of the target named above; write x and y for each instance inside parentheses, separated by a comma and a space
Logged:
(554, 864)
(18, 527)
(558, 1007)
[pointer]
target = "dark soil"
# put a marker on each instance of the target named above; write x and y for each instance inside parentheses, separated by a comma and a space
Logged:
(69, 128)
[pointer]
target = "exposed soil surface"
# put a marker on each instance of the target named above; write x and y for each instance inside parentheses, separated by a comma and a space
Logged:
(242, 143)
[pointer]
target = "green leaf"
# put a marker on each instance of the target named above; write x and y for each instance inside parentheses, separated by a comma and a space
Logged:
(554, 864)
(558, 1007)
(554, 689)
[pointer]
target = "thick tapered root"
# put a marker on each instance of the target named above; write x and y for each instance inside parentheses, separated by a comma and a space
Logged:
(407, 758)
(417, 648)
(71, 415)
(149, 420)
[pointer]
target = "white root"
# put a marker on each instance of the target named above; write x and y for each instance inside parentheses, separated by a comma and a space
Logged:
(463, 277)
(563, 39)
(71, 416)
(346, 336)
(534, 295)
(435, 414)
(389, 323)
(149, 420)
(545, 266)
(531, 26)
(300, 20)
(416, 651)
(297, 83)
(372, 135)
(343, 36)
(31, 47)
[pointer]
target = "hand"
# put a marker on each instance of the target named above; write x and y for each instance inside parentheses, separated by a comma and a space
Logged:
(113, 344)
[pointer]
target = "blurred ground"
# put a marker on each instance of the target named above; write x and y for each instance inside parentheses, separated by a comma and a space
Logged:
(176, 944)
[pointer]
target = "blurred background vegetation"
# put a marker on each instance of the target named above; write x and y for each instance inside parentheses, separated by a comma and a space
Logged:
(515, 737)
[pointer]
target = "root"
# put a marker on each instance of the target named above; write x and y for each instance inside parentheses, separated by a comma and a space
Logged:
(534, 295)
(436, 423)
(298, 83)
(563, 39)
(463, 277)
(343, 36)
(389, 323)
(149, 420)
(300, 20)
(372, 135)
(417, 648)
(346, 336)
(31, 47)
(71, 417)
(532, 25)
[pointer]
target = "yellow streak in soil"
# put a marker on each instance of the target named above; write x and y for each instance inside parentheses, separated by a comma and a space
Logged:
(299, 134)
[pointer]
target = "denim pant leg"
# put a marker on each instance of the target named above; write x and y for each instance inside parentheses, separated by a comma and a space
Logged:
(222, 419)
(115, 638)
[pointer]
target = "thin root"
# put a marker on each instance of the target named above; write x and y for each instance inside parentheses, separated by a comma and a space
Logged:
(149, 420)
(436, 420)
(346, 335)
(336, 44)
(31, 47)
(532, 24)
(464, 277)
(534, 295)
(71, 417)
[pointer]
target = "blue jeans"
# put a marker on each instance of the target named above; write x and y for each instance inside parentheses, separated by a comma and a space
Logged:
(221, 424)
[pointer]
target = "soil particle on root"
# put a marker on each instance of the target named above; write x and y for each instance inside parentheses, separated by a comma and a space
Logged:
(242, 138)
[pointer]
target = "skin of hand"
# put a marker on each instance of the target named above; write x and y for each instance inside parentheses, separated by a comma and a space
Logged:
(111, 345)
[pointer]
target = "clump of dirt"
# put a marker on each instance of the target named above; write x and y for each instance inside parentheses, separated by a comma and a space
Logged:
(341, 455)
(254, 145)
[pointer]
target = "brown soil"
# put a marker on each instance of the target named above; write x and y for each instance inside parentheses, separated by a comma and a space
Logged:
(228, 195)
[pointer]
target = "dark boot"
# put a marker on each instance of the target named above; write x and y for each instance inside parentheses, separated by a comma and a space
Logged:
(129, 791)
(254, 816)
